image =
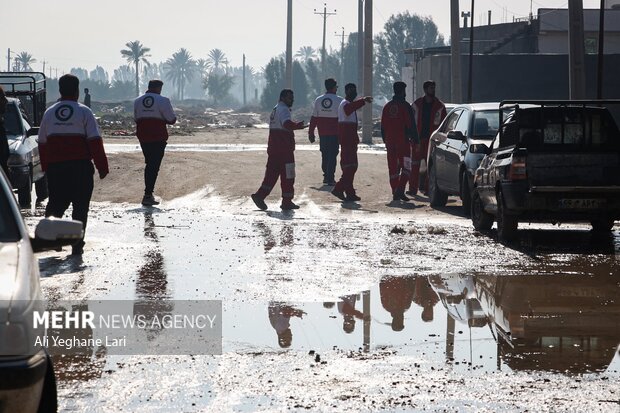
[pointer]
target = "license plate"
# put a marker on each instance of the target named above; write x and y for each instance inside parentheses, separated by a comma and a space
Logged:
(581, 203)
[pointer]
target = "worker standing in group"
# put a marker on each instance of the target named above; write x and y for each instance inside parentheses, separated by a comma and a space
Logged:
(280, 154)
(69, 138)
(152, 113)
(429, 113)
(325, 117)
(398, 130)
(348, 140)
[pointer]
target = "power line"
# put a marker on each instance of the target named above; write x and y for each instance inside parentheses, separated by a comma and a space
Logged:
(325, 14)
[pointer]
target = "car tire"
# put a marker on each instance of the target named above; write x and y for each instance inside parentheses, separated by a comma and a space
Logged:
(49, 396)
(41, 189)
(482, 220)
(438, 198)
(506, 224)
(24, 194)
(465, 194)
(602, 225)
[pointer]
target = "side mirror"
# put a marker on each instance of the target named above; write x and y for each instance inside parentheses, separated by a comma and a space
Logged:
(52, 233)
(32, 132)
(457, 135)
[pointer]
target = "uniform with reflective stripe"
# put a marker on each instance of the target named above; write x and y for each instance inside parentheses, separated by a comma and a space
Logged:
(348, 139)
(152, 112)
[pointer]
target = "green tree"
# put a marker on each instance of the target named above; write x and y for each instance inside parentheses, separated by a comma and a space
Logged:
(401, 31)
(180, 69)
(136, 53)
(274, 78)
(24, 60)
(300, 85)
(313, 74)
(218, 85)
(306, 53)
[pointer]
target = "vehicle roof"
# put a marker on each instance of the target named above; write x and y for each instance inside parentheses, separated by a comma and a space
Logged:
(479, 106)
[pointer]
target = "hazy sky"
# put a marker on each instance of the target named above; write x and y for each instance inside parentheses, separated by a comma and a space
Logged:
(86, 33)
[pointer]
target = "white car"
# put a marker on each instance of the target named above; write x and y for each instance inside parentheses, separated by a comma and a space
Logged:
(27, 382)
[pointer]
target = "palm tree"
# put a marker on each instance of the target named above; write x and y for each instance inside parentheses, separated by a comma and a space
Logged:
(24, 60)
(136, 53)
(305, 53)
(216, 60)
(218, 85)
(180, 68)
(202, 67)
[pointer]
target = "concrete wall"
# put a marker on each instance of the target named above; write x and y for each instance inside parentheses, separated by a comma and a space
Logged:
(499, 77)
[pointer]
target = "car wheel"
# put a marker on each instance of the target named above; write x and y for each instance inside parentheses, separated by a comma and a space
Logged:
(24, 194)
(465, 194)
(49, 397)
(437, 196)
(40, 188)
(602, 224)
(482, 220)
(506, 224)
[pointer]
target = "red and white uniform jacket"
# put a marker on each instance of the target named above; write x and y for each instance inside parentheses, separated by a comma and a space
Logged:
(347, 120)
(325, 115)
(398, 123)
(438, 113)
(69, 132)
(281, 127)
(152, 112)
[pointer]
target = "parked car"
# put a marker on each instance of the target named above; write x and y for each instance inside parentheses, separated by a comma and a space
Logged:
(456, 149)
(27, 382)
(26, 92)
(558, 161)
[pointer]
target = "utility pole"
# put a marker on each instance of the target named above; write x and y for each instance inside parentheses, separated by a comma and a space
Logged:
(601, 51)
(471, 58)
(289, 46)
(489, 22)
(324, 14)
(455, 35)
(244, 96)
(8, 60)
(368, 55)
(360, 43)
(44, 62)
(576, 50)
(341, 55)
(465, 15)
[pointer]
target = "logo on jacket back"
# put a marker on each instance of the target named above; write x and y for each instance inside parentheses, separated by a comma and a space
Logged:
(393, 111)
(327, 103)
(63, 113)
(148, 102)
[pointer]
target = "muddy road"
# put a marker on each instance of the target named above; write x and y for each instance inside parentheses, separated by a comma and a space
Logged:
(337, 307)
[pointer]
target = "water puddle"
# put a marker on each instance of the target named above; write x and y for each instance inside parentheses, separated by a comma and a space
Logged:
(207, 147)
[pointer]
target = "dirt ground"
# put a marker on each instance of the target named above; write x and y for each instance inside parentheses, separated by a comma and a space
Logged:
(238, 174)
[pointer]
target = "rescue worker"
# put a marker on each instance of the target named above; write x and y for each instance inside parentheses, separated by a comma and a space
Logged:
(280, 154)
(396, 296)
(69, 138)
(429, 113)
(152, 112)
(398, 131)
(348, 140)
(4, 142)
(325, 117)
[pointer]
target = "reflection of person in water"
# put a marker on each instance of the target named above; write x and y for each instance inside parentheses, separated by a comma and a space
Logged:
(346, 307)
(425, 297)
(396, 295)
(280, 318)
(152, 296)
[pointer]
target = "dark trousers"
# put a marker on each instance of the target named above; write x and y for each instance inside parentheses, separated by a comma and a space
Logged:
(70, 183)
(153, 154)
(329, 153)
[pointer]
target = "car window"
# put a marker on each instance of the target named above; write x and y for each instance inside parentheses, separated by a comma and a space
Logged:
(12, 120)
(463, 123)
(9, 231)
(450, 122)
(486, 124)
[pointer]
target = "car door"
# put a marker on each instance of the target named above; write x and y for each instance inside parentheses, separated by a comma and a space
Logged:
(439, 146)
(454, 153)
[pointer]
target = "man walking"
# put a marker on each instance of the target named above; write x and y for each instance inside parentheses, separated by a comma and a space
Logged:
(69, 138)
(280, 154)
(398, 131)
(325, 117)
(348, 140)
(429, 113)
(152, 112)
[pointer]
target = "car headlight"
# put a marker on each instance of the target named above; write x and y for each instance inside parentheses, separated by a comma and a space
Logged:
(16, 159)
(478, 148)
